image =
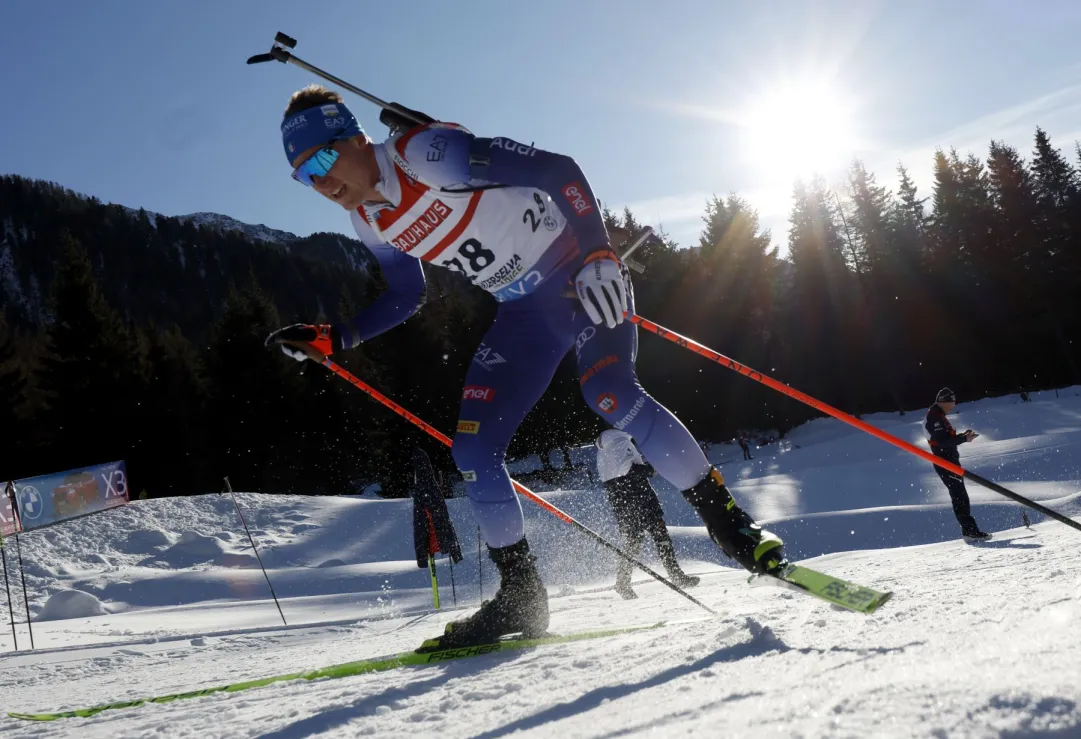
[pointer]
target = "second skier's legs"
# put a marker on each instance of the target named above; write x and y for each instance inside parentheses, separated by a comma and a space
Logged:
(611, 388)
(667, 552)
(632, 545)
(623, 503)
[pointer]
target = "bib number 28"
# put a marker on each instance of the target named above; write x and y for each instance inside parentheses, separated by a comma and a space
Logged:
(474, 256)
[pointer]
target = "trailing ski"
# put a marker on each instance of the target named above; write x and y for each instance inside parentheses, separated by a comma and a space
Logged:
(349, 669)
(825, 587)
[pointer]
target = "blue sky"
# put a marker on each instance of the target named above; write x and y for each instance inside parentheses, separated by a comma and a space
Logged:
(151, 104)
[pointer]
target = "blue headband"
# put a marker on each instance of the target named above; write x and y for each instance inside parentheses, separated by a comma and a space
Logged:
(317, 126)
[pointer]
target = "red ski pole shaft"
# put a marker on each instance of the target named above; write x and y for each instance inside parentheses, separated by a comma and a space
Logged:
(791, 392)
(520, 488)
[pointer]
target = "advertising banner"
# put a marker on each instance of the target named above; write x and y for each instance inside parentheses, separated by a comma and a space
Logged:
(48, 499)
(7, 518)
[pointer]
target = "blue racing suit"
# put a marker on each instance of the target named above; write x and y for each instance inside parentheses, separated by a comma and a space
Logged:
(524, 244)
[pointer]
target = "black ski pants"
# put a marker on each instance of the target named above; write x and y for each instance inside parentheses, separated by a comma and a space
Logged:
(962, 508)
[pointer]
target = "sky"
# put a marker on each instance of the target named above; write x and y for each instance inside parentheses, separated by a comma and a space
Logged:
(151, 104)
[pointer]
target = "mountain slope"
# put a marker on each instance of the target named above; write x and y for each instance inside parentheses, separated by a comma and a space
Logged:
(167, 270)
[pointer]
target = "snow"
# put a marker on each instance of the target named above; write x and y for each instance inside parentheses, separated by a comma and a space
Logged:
(68, 604)
(978, 640)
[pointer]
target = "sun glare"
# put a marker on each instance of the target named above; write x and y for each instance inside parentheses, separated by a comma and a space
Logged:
(797, 129)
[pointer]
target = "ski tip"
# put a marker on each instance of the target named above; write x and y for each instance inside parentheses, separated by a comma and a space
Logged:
(881, 601)
(33, 716)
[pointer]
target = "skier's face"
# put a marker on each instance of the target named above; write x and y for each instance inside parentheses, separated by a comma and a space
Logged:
(351, 180)
(947, 405)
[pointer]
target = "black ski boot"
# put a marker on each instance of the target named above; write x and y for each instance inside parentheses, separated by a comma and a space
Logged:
(519, 606)
(732, 529)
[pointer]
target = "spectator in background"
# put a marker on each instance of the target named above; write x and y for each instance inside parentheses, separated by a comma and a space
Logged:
(745, 446)
(944, 442)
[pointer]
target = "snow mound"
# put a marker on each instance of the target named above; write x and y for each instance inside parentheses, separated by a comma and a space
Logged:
(71, 604)
(144, 541)
(195, 548)
(197, 545)
(331, 563)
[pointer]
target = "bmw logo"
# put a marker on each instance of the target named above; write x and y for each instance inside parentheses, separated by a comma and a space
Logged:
(30, 504)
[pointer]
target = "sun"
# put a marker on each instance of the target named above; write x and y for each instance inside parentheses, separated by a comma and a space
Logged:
(798, 128)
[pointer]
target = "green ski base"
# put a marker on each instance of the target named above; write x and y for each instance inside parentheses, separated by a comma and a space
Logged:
(360, 667)
(828, 588)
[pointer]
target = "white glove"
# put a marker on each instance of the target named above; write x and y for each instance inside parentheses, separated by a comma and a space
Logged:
(601, 288)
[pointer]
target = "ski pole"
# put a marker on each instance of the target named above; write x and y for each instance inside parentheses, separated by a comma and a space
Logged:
(9, 492)
(519, 487)
(26, 600)
(453, 589)
(19, 549)
(435, 585)
(791, 392)
(229, 488)
(7, 586)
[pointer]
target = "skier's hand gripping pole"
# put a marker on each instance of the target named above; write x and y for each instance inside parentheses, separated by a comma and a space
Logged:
(521, 489)
(791, 392)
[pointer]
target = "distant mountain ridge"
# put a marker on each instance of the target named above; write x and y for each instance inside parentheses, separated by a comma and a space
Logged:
(256, 232)
(166, 269)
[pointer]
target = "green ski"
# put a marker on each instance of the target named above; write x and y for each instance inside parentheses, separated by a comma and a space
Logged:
(826, 587)
(349, 669)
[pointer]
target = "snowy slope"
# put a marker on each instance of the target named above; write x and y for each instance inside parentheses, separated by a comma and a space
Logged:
(978, 640)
